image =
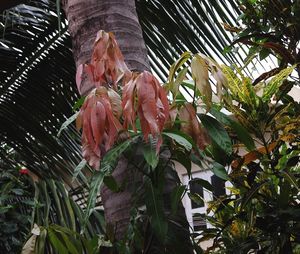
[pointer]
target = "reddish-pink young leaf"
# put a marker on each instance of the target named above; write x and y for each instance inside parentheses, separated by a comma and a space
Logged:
(115, 101)
(98, 116)
(100, 126)
(172, 117)
(108, 61)
(128, 103)
(190, 125)
(147, 102)
(143, 96)
(107, 66)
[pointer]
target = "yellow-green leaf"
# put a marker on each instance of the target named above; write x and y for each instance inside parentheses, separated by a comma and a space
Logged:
(200, 75)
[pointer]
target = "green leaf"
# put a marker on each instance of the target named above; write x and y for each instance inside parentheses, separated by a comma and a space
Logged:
(67, 240)
(176, 196)
(174, 85)
(183, 58)
(154, 204)
(47, 202)
(196, 198)
(107, 166)
(95, 185)
(41, 241)
(291, 178)
(180, 139)
(217, 133)
(242, 133)
(5, 209)
(149, 152)
(78, 169)
(254, 189)
(17, 192)
(219, 171)
(274, 84)
(56, 243)
(68, 210)
(205, 184)
(67, 123)
(264, 53)
(78, 103)
(110, 159)
(184, 159)
(57, 202)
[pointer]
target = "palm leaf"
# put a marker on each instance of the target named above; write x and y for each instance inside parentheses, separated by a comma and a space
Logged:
(37, 86)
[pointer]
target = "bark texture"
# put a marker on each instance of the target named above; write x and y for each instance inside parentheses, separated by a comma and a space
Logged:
(117, 205)
(87, 17)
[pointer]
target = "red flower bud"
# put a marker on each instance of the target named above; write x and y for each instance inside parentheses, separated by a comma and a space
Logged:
(24, 171)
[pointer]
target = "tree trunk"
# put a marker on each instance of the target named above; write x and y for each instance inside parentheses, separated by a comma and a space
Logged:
(86, 18)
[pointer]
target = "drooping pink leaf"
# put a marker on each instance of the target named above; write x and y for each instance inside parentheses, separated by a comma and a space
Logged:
(128, 104)
(100, 126)
(144, 97)
(108, 61)
(107, 66)
(191, 126)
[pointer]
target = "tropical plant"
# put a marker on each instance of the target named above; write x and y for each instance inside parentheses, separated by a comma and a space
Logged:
(156, 130)
(270, 28)
(33, 28)
(27, 104)
(150, 163)
(15, 204)
(261, 213)
(57, 223)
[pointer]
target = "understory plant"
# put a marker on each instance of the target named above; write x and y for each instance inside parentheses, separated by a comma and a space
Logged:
(254, 146)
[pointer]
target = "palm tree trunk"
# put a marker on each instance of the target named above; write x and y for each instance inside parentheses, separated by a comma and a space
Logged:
(86, 18)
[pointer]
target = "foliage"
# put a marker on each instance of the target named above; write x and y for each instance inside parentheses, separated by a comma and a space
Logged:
(33, 48)
(261, 213)
(15, 206)
(41, 214)
(162, 135)
(270, 28)
(57, 222)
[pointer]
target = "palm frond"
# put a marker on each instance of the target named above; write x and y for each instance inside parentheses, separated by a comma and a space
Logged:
(37, 86)
(173, 27)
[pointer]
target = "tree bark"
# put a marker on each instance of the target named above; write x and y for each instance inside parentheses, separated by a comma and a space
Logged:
(87, 17)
